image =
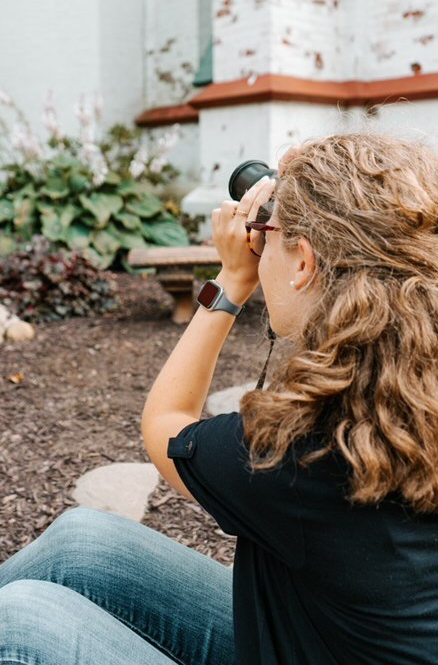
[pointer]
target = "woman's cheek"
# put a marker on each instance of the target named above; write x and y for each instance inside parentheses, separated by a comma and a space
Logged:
(262, 269)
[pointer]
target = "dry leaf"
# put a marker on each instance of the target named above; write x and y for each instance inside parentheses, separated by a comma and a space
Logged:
(16, 378)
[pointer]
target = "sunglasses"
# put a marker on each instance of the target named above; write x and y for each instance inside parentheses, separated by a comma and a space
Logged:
(256, 236)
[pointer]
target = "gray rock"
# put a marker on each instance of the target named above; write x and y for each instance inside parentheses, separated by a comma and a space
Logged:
(121, 488)
(226, 401)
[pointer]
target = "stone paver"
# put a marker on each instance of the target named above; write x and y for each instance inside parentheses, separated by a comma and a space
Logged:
(121, 488)
(226, 401)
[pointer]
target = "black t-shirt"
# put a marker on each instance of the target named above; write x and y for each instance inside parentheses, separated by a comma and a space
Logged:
(316, 580)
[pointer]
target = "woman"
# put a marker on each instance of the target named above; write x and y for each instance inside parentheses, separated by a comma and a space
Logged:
(329, 479)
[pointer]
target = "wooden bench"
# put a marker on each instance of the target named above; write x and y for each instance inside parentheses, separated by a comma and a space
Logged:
(175, 272)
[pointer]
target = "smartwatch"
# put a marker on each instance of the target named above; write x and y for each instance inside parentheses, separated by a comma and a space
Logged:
(212, 296)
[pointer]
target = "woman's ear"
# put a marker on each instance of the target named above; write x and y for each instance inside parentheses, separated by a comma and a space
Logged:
(306, 264)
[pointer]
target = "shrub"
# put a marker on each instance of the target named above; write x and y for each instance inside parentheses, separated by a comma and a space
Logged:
(94, 197)
(40, 284)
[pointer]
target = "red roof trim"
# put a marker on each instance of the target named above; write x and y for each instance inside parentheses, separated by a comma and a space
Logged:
(168, 115)
(275, 87)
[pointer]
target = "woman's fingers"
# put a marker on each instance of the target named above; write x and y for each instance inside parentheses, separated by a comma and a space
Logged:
(262, 196)
(248, 198)
(226, 221)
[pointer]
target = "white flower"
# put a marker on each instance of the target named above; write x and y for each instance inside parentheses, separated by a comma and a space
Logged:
(92, 157)
(166, 142)
(83, 112)
(141, 155)
(89, 134)
(138, 164)
(136, 168)
(157, 164)
(50, 118)
(89, 151)
(5, 99)
(100, 175)
(98, 106)
(25, 142)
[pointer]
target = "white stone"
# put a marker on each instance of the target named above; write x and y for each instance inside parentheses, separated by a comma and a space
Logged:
(19, 331)
(226, 401)
(122, 488)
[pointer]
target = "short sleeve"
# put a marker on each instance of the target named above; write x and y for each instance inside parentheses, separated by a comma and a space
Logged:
(211, 456)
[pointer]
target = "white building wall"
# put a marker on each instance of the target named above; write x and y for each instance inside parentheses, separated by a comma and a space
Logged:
(121, 58)
(85, 46)
(172, 50)
(306, 39)
(327, 40)
(230, 135)
(404, 34)
(242, 34)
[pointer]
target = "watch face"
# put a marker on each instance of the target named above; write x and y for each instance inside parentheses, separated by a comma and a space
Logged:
(208, 294)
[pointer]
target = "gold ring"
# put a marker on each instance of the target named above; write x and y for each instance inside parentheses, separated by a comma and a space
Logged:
(240, 212)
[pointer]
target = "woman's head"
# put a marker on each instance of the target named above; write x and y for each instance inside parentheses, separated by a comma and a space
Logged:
(359, 221)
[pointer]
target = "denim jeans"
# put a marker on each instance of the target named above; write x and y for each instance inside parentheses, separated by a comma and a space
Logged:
(98, 589)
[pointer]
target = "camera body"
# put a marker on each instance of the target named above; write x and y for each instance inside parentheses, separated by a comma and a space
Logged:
(244, 177)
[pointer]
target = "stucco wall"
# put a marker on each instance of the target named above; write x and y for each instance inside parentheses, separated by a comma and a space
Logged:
(85, 46)
(325, 39)
(172, 45)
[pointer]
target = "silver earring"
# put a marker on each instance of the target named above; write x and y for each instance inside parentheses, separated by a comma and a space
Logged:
(292, 284)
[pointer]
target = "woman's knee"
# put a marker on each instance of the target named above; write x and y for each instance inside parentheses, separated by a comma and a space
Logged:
(25, 606)
(77, 527)
(92, 541)
(39, 622)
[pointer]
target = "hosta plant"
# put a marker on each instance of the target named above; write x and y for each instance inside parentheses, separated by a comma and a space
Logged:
(94, 196)
(39, 283)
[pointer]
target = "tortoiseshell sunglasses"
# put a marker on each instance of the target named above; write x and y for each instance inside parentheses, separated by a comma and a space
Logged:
(256, 242)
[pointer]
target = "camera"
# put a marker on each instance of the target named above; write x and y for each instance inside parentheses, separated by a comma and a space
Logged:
(244, 177)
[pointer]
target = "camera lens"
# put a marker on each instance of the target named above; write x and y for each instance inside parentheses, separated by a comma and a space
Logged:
(245, 175)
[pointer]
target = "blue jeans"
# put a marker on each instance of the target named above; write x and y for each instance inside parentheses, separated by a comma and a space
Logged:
(98, 589)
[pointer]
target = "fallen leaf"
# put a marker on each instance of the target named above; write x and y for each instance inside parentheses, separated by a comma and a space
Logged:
(16, 378)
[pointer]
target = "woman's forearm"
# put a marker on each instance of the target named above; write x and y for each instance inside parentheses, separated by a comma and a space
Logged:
(183, 384)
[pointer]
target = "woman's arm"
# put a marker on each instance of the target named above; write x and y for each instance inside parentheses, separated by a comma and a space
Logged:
(183, 383)
(180, 390)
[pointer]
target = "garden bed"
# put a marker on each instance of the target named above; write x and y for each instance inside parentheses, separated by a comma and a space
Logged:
(76, 404)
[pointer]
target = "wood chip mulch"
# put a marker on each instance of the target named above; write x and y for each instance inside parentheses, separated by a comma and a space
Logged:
(71, 400)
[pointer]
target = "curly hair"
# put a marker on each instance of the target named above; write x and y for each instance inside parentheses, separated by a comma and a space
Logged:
(366, 359)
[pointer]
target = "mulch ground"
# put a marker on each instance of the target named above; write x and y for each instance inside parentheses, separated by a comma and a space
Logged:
(78, 406)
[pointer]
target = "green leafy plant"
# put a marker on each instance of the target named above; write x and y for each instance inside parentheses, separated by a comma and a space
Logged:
(40, 284)
(93, 196)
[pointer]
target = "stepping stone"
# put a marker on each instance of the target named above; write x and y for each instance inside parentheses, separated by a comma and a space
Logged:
(226, 401)
(121, 488)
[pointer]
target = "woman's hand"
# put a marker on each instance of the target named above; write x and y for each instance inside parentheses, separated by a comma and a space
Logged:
(239, 265)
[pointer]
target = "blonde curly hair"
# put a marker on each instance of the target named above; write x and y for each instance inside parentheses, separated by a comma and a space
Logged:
(366, 361)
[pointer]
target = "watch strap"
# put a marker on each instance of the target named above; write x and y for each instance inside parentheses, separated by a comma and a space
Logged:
(227, 306)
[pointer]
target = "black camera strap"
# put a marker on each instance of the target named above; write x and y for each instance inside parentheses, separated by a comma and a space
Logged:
(272, 336)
